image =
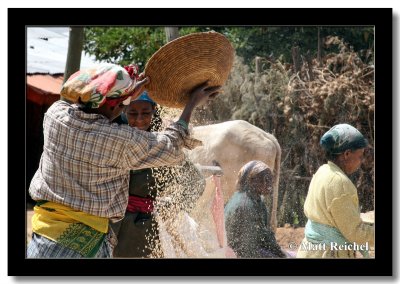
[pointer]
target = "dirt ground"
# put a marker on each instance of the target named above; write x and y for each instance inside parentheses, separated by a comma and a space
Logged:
(29, 214)
(289, 238)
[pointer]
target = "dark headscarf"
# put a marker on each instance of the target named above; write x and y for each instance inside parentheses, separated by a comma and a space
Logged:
(342, 137)
(248, 173)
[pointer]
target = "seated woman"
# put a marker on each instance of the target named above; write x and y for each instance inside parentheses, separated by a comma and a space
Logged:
(246, 215)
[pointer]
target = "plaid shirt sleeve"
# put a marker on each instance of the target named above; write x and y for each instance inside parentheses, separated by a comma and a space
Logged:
(154, 149)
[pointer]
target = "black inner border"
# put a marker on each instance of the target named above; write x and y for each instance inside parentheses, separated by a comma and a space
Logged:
(20, 18)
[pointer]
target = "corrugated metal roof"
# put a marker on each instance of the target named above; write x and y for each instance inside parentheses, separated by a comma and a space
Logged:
(47, 32)
(47, 50)
(47, 84)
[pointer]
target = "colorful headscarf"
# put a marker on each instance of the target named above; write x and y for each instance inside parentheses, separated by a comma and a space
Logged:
(94, 85)
(247, 174)
(342, 137)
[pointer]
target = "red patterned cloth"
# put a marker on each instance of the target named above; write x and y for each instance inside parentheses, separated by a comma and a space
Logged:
(92, 86)
(140, 204)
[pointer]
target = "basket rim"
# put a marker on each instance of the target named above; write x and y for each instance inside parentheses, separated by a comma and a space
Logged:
(186, 62)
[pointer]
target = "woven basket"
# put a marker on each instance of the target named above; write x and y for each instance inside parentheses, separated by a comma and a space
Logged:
(186, 62)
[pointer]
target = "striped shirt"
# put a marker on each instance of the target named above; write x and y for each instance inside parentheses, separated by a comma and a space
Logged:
(86, 159)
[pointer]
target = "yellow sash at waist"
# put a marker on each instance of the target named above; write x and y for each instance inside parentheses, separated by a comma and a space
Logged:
(74, 229)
